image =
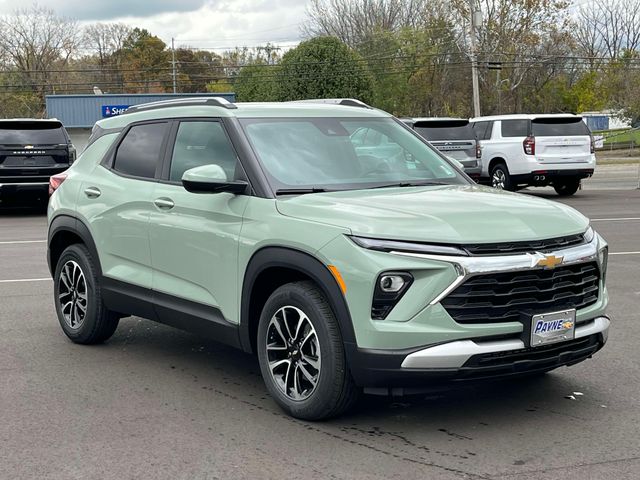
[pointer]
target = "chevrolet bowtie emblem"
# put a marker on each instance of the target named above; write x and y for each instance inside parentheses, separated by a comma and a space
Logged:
(549, 261)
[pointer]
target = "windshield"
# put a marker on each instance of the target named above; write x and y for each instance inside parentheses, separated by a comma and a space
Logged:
(31, 133)
(451, 130)
(552, 127)
(344, 153)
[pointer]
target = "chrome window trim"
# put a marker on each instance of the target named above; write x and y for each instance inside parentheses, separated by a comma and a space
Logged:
(470, 266)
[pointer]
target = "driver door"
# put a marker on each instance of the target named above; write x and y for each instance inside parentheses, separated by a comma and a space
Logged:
(194, 237)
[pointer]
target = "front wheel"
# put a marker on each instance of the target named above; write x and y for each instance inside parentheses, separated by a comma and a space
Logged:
(566, 187)
(301, 354)
(500, 178)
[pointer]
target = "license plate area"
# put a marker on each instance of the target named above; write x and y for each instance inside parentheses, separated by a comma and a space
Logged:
(553, 327)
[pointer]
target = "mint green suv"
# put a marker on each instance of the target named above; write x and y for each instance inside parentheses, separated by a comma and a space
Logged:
(344, 264)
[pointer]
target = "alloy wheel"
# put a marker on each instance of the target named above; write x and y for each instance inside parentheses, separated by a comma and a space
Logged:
(498, 179)
(72, 294)
(293, 353)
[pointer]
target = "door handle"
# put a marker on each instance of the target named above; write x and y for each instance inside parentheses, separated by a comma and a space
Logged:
(164, 203)
(92, 192)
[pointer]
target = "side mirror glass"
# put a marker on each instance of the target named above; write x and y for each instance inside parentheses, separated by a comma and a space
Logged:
(211, 179)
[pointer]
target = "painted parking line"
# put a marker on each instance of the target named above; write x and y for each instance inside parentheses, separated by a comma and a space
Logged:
(624, 253)
(24, 280)
(17, 242)
(620, 219)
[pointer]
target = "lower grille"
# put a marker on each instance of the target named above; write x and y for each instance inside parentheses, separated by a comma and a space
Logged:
(513, 296)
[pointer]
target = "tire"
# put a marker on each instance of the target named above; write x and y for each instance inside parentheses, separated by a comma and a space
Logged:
(500, 178)
(317, 353)
(76, 283)
(568, 187)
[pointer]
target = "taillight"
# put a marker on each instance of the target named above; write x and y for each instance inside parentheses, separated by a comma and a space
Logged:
(529, 145)
(55, 182)
(478, 150)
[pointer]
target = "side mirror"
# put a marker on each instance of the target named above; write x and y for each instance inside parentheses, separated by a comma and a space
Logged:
(211, 179)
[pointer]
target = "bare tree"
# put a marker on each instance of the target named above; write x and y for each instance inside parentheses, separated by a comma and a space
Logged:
(106, 39)
(609, 28)
(35, 42)
(353, 21)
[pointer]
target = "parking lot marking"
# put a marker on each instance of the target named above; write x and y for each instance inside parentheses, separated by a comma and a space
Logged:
(621, 219)
(624, 253)
(13, 242)
(23, 280)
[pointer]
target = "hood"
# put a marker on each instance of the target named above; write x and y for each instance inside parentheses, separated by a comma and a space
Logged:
(441, 214)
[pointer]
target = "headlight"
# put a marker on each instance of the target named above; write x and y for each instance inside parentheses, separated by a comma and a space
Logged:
(589, 234)
(603, 259)
(411, 247)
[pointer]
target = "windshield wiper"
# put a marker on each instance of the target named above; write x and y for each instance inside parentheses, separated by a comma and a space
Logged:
(410, 184)
(300, 191)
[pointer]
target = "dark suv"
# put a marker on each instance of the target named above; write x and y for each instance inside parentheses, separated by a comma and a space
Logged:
(454, 137)
(31, 151)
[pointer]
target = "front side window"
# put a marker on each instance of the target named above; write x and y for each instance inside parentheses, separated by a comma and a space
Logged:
(515, 128)
(344, 153)
(139, 152)
(202, 143)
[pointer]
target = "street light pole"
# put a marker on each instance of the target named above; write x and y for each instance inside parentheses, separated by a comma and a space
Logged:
(173, 65)
(476, 20)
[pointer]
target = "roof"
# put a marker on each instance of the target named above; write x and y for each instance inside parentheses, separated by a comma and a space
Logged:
(524, 116)
(246, 110)
(436, 119)
(30, 120)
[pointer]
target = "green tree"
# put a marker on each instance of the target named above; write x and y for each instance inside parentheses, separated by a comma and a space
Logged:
(323, 67)
(146, 62)
(257, 83)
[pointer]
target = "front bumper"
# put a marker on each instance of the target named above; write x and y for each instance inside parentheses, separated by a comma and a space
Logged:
(401, 372)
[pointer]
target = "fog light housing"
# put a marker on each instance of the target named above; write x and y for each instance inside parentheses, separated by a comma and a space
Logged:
(389, 289)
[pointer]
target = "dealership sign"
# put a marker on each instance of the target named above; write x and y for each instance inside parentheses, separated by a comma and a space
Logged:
(113, 110)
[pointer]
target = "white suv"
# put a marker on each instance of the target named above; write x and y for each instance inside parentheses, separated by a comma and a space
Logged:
(535, 150)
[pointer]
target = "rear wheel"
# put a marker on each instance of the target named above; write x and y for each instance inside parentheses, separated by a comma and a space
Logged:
(301, 354)
(566, 187)
(81, 313)
(500, 178)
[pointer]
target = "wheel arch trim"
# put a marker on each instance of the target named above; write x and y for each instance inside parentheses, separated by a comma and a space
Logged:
(70, 224)
(302, 262)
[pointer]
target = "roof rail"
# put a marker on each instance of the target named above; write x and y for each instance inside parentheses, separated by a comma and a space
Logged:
(349, 102)
(183, 102)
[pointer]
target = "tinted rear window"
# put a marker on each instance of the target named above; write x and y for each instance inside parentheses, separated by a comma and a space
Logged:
(551, 127)
(31, 133)
(139, 152)
(515, 128)
(445, 130)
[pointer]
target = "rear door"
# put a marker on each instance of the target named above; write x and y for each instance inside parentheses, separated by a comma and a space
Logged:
(116, 201)
(561, 140)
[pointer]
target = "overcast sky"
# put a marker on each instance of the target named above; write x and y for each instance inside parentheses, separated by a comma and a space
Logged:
(196, 23)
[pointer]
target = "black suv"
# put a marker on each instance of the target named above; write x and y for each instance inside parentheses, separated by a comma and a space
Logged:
(31, 151)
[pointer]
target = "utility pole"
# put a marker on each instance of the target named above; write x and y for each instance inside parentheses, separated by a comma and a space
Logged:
(476, 20)
(173, 64)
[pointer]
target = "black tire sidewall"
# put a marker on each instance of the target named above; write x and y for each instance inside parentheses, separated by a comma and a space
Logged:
(333, 367)
(80, 255)
(567, 187)
(508, 186)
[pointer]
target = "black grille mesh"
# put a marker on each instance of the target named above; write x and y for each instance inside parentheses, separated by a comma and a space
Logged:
(512, 296)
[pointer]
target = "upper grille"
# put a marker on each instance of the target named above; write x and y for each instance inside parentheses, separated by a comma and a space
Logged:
(520, 247)
(512, 296)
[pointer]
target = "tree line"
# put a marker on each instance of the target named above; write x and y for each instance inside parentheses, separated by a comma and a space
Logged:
(409, 57)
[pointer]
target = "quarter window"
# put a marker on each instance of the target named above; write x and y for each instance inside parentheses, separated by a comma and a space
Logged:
(515, 128)
(139, 153)
(202, 143)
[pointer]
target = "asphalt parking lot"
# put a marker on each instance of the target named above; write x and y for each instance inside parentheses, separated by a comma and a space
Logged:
(158, 403)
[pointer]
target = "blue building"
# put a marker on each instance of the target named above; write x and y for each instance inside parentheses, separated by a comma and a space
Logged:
(78, 113)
